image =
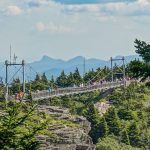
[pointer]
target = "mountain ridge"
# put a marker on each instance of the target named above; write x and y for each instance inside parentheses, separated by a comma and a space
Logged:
(53, 67)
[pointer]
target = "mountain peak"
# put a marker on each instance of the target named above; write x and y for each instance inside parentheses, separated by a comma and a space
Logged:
(45, 57)
(77, 58)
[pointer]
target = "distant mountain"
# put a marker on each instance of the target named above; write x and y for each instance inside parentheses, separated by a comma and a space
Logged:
(54, 67)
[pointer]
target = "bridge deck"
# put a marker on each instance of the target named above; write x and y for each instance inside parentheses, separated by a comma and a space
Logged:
(75, 90)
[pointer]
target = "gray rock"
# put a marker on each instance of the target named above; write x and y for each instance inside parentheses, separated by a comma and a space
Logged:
(66, 137)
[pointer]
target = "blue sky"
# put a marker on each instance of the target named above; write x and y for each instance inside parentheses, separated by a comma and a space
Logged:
(68, 28)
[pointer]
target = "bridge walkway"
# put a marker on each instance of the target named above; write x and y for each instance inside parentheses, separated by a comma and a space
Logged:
(75, 90)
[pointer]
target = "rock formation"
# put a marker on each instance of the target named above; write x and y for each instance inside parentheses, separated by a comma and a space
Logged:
(66, 137)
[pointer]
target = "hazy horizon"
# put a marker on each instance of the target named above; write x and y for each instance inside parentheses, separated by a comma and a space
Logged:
(39, 59)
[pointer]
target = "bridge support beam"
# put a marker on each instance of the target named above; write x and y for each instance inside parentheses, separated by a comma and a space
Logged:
(7, 64)
(122, 71)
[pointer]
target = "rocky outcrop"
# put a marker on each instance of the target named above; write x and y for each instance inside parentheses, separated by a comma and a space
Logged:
(102, 107)
(66, 137)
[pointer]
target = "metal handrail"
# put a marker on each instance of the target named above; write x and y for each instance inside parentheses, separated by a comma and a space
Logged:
(75, 90)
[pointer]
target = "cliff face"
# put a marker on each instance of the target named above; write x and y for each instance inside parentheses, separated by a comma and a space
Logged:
(66, 137)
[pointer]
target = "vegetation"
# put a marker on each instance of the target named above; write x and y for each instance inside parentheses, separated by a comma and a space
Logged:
(127, 122)
(125, 125)
(18, 127)
(112, 143)
(137, 68)
(21, 123)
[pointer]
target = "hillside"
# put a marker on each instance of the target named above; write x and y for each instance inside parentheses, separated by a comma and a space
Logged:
(125, 125)
(116, 119)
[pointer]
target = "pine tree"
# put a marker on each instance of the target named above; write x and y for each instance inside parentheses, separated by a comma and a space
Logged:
(52, 79)
(113, 121)
(92, 114)
(37, 78)
(62, 80)
(52, 82)
(77, 77)
(125, 136)
(103, 127)
(93, 117)
(44, 78)
(70, 81)
(89, 76)
(18, 130)
(143, 49)
(134, 134)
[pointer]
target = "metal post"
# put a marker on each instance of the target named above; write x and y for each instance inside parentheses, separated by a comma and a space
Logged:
(6, 82)
(112, 74)
(23, 67)
(124, 71)
(23, 73)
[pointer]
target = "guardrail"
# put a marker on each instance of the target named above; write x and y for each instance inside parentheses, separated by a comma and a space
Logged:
(75, 90)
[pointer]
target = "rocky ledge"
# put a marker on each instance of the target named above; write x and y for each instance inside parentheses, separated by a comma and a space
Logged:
(66, 137)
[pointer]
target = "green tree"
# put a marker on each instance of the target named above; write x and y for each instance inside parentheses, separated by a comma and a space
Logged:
(62, 80)
(135, 69)
(77, 77)
(16, 86)
(143, 49)
(44, 78)
(113, 121)
(104, 130)
(89, 76)
(52, 82)
(125, 136)
(94, 118)
(111, 143)
(18, 127)
(37, 78)
(134, 134)
(70, 81)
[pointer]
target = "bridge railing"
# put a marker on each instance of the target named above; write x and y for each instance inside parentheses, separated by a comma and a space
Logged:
(75, 90)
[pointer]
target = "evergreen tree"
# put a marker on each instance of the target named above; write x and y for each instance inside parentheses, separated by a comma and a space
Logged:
(70, 81)
(135, 69)
(52, 82)
(92, 114)
(104, 128)
(93, 117)
(89, 76)
(18, 127)
(143, 49)
(44, 78)
(62, 80)
(134, 134)
(37, 78)
(125, 136)
(77, 77)
(16, 86)
(113, 121)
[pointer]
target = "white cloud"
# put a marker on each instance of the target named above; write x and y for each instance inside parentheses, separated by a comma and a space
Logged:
(82, 8)
(119, 8)
(52, 28)
(13, 10)
(144, 2)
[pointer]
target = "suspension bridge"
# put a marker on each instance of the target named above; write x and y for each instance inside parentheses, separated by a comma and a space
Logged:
(45, 94)
(76, 90)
